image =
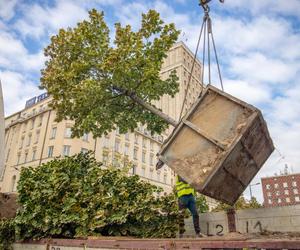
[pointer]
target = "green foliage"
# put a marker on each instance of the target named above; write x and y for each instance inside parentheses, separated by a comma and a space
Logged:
(241, 203)
(7, 233)
(201, 203)
(91, 81)
(74, 197)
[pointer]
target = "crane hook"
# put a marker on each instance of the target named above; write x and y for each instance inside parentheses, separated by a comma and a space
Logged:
(204, 4)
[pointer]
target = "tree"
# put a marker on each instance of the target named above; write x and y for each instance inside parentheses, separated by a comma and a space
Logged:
(103, 86)
(241, 203)
(75, 196)
(201, 203)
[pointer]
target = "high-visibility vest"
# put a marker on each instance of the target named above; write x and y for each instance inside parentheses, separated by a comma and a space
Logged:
(183, 188)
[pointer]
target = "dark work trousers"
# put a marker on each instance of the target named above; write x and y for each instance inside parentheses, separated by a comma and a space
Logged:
(189, 202)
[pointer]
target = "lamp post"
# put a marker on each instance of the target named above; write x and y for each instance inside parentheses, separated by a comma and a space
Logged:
(251, 189)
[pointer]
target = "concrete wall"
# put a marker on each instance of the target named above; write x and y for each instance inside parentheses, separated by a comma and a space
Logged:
(283, 219)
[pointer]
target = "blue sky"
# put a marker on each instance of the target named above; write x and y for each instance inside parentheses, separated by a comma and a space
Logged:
(258, 43)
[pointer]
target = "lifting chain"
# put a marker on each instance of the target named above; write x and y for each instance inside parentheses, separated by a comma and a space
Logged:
(207, 35)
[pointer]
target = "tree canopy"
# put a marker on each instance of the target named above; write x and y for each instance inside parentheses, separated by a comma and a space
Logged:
(241, 203)
(75, 196)
(96, 82)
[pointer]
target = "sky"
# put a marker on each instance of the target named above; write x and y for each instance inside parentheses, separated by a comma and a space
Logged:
(258, 45)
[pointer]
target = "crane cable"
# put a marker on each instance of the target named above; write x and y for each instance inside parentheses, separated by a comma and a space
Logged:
(207, 27)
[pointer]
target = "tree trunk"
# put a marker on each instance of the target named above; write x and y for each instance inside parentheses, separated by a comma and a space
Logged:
(147, 106)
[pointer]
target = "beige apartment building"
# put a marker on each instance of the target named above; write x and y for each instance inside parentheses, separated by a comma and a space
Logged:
(33, 137)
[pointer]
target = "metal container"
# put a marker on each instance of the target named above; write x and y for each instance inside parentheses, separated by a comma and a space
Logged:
(219, 146)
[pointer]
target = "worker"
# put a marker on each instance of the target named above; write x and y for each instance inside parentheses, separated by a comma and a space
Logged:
(186, 199)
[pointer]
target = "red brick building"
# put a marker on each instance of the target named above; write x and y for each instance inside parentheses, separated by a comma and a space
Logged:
(282, 190)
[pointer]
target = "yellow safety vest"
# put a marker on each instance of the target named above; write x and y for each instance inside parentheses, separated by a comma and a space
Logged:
(183, 188)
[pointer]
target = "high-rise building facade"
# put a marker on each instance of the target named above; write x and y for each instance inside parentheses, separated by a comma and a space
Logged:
(1, 131)
(32, 136)
(282, 190)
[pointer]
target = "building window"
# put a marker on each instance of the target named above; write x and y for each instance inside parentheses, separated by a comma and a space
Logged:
(126, 149)
(297, 198)
(151, 159)
(105, 159)
(117, 146)
(277, 193)
(279, 200)
(276, 185)
(135, 153)
(151, 146)
(13, 187)
(25, 157)
(29, 139)
(22, 142)
(269, 194)
(66, 150)
(84, 150)
(143, 171)
(33, 154)
(18, 158)
(294, 184)
(24, 126)
(287, 199)
(41, 120)
(50, 151)
(127, 136)
(286, 192)
(144, 157)
(117, 131)
(37, 136)
(295, 191)
(136, 139)
(68, 132)
(285, 184)
(53, 133)
(32, 123)
(165, 178)
(144, 142)
(133, 169)
(85, 137)
(151, 174)
(106, 142)
(269, 201)
(158, 176)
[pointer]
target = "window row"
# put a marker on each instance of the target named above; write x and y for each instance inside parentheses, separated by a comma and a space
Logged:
(287, 200)
(31, 123)
(284, 184)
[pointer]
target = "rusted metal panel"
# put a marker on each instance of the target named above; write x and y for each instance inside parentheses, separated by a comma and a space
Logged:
(219, 146)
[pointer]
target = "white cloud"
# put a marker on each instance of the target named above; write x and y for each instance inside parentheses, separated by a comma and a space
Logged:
(14, 55)
(7, 9)
(271, 36)
(256, 7)
(258, 68)
(39, 21)
(16, 90)
(248, 92)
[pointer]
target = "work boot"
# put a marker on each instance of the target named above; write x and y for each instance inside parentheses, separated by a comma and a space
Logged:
(200, 235)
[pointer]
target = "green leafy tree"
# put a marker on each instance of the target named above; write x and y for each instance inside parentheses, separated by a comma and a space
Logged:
(75, 196)
(7, 233)
(101, 85)
(201, 203)
(241, 203)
